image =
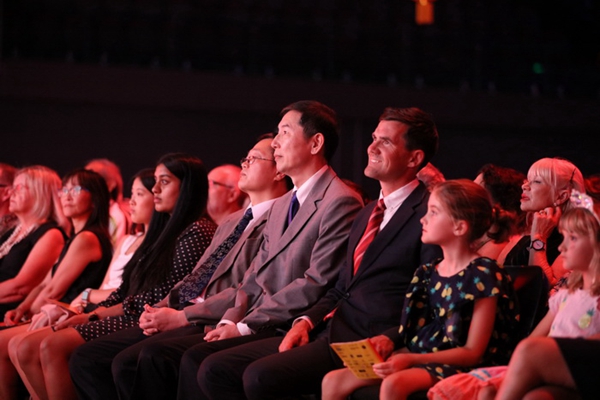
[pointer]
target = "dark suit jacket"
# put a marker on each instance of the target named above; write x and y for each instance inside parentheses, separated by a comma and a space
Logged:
(222, 286)
(371, 302)
(296, 266)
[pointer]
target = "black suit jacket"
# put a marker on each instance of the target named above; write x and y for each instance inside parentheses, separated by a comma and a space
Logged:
(371, 302)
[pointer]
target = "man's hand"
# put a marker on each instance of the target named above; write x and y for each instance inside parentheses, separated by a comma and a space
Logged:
(223, 332)
(297, 336)
(382, 345)
(154, 320)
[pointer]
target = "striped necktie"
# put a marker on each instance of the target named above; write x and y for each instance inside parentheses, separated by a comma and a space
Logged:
(370, 233)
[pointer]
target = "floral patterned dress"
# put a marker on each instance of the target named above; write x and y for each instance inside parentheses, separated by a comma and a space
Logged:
(438, 311)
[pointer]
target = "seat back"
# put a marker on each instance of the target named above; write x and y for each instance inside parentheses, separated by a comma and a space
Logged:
(531, 287)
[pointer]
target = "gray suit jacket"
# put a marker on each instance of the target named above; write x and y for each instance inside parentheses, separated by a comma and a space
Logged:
(222, 286)
(297, 265)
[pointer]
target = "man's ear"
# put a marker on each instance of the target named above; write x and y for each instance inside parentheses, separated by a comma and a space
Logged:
(416, 158)
(317, 143)
(234, 195)
(279, 177)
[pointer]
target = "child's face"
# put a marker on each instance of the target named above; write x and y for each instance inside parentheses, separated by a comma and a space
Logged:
(577, 251)
(438, 225)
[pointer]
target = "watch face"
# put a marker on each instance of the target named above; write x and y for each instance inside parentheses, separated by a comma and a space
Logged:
(537, 244)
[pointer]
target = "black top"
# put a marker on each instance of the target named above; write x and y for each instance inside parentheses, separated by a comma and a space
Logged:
(519, 254)
(11, 263)
(94, 272)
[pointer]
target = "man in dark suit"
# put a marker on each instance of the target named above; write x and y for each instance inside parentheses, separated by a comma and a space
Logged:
(384, 250)
(304, 243)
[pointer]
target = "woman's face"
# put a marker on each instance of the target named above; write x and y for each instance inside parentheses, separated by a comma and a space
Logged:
(166, 189)
(76, 200)
(537, 194)
(21, 200)
(141, 204)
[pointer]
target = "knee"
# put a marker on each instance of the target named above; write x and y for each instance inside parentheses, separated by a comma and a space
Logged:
(23, 351)
(391, 389)
(190, 364)
(531, 346)
(123, 362)
(257, 380)
(151, 352)
(329, 385)
(47, 350)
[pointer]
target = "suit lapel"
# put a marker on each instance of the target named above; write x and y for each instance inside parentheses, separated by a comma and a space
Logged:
(308, 208)
(392, 228)
(227, 262)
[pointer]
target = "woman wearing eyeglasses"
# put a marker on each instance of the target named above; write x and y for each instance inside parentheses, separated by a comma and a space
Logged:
(81, 264)
(178, 235)
(28, 251)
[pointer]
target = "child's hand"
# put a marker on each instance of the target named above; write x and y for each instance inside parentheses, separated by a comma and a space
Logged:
(395, 363)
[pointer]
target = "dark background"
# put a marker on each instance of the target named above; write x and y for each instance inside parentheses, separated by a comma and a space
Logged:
(507, 82)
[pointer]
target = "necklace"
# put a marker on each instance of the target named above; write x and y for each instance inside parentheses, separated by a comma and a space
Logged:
(18, 234)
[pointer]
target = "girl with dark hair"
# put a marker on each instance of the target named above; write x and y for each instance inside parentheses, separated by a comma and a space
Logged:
(82, 262)
(177, 237)
(141, 208)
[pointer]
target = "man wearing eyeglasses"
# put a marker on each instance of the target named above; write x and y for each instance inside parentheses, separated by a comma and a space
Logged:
(224, 195)
(7, 219)
(304, 243)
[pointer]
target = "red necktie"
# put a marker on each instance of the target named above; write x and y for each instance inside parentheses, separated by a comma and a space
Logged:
(370, 233)
(364, 242)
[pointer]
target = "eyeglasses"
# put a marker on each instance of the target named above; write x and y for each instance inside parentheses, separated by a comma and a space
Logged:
(74, 191)
(250, 160)
(17, 188)
(215, 183)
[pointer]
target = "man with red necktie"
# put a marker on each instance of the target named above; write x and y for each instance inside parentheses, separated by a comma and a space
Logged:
(384, 250)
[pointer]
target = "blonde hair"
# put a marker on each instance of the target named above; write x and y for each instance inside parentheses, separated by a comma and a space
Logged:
(583, 222)
(560, 174)
(43, 184)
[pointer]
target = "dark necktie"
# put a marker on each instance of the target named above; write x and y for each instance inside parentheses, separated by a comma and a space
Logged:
(193, 284)
(294, 205)
(370, 233)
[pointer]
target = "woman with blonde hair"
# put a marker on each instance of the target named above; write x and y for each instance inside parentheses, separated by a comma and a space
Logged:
(82, 263)
(546, 193)
(28, 251)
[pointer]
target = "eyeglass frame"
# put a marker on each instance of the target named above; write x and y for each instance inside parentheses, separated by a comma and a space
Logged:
(16, 188)
(217, 183)
(73, 191)
(251, 159)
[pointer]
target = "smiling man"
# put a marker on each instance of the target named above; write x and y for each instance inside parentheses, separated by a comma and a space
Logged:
(384, 250)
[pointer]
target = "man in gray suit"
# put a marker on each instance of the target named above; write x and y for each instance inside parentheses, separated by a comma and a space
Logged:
(303, 247)
(262, 182)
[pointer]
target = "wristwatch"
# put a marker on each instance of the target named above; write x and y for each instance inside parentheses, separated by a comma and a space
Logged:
(93, 317)
(537, 245)
(85, 296)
